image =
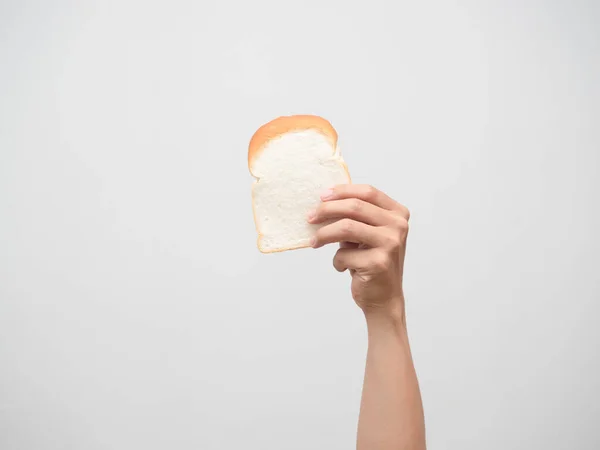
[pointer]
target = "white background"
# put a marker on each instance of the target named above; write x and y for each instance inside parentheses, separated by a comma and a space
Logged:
(135, 309)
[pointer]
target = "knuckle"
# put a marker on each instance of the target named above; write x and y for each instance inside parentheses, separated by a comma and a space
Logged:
(356, 205)
(407, 213)
(402, 225)
(370, 192)
(399, 223)
(393, 240)
(347, 226)
(381, 262)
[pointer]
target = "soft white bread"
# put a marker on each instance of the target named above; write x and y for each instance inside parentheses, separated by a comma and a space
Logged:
(294, 159)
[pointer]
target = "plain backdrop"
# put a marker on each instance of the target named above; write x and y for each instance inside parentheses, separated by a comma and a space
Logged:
(135, 309)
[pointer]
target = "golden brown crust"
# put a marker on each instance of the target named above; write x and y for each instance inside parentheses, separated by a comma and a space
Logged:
(285, 124)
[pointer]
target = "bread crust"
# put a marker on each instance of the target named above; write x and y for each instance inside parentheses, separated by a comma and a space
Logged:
(273, 130)
(286, 124)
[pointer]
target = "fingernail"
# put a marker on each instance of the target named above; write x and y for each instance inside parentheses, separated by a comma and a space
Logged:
(311, 216)
(327, 194)
(313, 242)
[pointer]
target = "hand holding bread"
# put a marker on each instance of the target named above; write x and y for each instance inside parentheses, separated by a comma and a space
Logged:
(294, 160)
(371, 229)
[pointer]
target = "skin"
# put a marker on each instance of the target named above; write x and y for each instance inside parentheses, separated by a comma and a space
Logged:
(371, 229)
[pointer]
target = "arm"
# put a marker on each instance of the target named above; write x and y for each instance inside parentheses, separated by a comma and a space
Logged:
(372, 229)
(391, 413)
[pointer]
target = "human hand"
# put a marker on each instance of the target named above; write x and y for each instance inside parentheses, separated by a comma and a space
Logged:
(371, 229)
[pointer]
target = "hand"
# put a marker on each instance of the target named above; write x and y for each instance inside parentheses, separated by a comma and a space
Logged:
(371, 229)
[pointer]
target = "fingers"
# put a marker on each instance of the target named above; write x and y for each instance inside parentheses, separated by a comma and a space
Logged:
(373, 259)
(348, 258)
(363, 217)
(367, 194)
(345, 244)
(348, 230)
(352, 208)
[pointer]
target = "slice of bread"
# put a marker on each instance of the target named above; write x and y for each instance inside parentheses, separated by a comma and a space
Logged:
(294, 159)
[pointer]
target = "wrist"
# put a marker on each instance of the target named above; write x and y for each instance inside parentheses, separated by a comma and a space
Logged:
(386, 316)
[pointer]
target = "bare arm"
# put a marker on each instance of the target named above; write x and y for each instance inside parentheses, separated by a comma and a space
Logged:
(372, 230)
(391, 413)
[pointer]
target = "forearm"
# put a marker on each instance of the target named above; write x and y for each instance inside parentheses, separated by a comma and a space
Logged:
(391, 413)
